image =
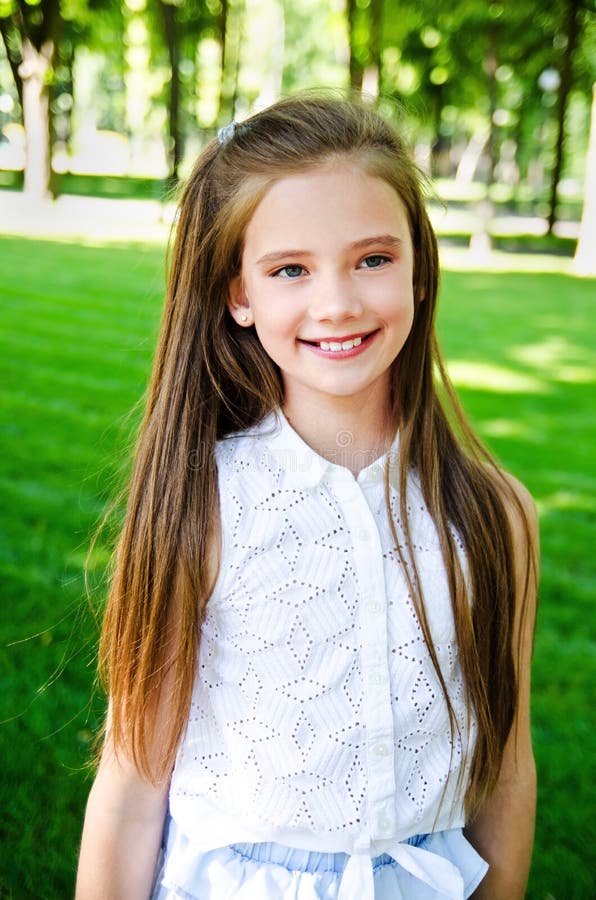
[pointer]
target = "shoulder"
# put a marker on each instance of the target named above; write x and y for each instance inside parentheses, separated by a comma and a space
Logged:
(520, 508)
(235, 454)
(522, 515)
(249, 439)
(259, 452)
(517, 501)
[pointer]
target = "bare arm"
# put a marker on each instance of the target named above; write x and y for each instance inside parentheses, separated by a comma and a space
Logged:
(122, 833)
(503, 831)
(125, 814)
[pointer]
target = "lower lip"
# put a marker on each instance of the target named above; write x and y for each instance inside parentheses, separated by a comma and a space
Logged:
(342, 354)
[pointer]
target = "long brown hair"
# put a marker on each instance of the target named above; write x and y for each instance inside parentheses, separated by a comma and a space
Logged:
(211, 378)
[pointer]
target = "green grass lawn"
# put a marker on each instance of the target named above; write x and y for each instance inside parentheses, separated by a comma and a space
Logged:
(77, 328)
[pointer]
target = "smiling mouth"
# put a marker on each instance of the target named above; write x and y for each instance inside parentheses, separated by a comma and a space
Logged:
(336, 346)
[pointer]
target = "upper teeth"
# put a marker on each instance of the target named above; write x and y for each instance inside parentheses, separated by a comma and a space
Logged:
(340, 345)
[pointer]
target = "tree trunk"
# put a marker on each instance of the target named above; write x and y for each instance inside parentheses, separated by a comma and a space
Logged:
(36, 118)
(566, 73)
(8, 32)
(470, 158)
(232, 29)
(175, 148)
(491, 64)
(238, 58)
(585, 252)
(222, 27)
(371, 82)
(356, 70)
(440, 163)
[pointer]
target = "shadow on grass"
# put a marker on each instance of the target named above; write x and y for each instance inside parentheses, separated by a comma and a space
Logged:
(121, 187)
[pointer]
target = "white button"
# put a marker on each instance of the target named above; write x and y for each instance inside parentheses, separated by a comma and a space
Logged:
(377, 678)
(364, 534)
(382, 749)
(385, 823)
(373, 606)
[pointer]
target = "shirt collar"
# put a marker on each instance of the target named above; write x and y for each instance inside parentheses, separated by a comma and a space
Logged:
(304, 466)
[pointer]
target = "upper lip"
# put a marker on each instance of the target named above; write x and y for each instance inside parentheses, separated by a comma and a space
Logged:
(337, 338)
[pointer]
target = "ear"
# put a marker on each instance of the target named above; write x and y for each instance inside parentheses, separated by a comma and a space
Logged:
(238, 304)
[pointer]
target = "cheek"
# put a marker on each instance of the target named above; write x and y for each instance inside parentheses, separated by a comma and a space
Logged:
(398, 305)
(272, 326)
(275, 333)
(276, 317)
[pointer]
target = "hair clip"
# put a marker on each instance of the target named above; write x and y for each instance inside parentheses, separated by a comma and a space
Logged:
(225, 134)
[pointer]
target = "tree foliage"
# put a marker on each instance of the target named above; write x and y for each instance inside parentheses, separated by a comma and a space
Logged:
(485, 83)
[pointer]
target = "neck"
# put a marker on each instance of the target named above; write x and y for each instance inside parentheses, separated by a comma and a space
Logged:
(344, 435)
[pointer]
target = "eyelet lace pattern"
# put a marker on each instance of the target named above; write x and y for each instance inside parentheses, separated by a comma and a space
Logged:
(316, 707)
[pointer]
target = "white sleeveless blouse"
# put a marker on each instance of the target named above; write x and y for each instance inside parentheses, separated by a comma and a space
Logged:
(317, 719)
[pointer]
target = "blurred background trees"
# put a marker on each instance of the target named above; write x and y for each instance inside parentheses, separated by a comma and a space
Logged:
(492, 93)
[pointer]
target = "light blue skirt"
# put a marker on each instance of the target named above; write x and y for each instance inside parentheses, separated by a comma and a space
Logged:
(269, 871)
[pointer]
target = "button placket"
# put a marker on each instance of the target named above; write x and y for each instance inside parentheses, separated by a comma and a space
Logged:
(385, 823)
(368, 559)
(382, 749)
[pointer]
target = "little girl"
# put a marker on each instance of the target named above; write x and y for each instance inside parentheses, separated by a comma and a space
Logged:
(318, 636)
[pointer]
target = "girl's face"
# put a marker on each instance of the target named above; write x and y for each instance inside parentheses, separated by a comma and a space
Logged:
(326, 280)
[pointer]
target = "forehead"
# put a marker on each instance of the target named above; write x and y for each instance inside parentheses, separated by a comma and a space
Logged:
(337, 199)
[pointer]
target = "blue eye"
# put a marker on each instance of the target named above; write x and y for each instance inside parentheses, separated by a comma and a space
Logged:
(375, 261)
(294, 271)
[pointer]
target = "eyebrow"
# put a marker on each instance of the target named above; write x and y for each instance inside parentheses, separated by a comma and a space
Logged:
(376, 240)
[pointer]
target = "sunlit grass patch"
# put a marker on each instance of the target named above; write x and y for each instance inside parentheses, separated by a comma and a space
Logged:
(497, 379)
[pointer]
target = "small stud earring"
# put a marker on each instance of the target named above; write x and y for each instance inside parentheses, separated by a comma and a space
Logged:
(244, 317)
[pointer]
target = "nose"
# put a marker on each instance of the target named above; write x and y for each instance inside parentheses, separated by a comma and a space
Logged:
(335, 298)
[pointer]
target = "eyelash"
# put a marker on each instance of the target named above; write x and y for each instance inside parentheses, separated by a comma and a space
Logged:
(376, 256)
(380, 256)
(289, 266)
